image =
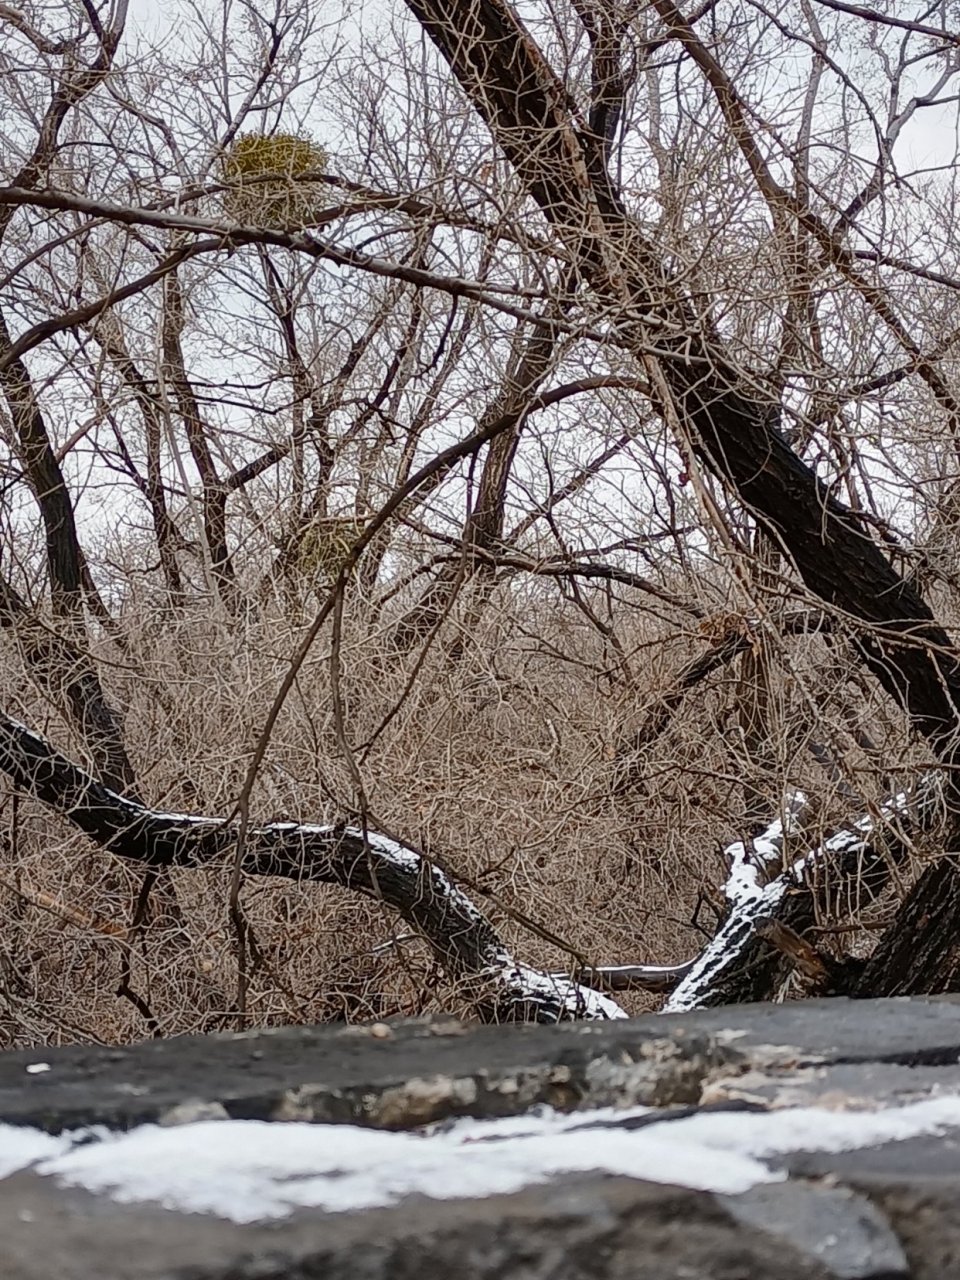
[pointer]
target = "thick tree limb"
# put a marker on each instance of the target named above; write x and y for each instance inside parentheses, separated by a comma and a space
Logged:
(45, 478)
(367, 862)
(712, 402)
(65, 671)
(740, 964)
(920, 951)
(635, 977)
(483, 527)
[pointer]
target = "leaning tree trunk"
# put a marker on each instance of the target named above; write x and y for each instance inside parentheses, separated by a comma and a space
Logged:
(698, 386)
(57, 661)
(769, 901)
(483, 527)
(920, 953)
(65, 672)
(702, 389)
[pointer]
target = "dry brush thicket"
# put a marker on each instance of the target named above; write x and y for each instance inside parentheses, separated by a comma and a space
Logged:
(557, 479)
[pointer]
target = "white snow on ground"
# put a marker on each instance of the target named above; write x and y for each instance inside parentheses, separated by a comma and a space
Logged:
(251, 1170)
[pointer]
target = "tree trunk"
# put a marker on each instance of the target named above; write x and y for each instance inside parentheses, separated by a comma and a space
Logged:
(39, 462)
(65, 672)
(919, 954)
(483, 527)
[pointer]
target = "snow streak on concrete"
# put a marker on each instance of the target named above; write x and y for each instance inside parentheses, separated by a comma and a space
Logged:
(247, 1171)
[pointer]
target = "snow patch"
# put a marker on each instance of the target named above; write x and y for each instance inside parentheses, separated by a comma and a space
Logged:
(20, 1148)
(246, 1170)
(752, 895)
(572, 998)
(393, 851)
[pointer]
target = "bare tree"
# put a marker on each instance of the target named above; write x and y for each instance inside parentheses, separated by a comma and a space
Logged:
(535, 436)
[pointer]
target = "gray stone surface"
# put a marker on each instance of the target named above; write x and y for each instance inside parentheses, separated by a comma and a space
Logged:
(847, 1234)
(914, 1032)
(925, 1214)
(885, 1213)
(912, 1158)
(421, 1071)
(588, 1229)
(779, 1084)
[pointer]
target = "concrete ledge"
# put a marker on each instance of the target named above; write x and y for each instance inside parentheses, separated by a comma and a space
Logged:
(887, 1208)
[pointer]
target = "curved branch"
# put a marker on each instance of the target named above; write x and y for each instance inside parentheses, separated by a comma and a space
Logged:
(367, 862)
(737, 639)
(224, 237)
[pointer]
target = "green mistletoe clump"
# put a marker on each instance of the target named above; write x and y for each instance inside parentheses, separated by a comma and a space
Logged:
(267, 178)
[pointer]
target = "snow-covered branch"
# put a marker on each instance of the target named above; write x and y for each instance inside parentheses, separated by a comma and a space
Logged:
(367, 862)
(635, 977)
(766, 882)
(762, 884)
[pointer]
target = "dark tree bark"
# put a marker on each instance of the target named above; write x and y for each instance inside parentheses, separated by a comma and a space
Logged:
(920, 953)
(43, 474)
(67, 674)
(71, 83)
(58, 661)
(215, 492)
